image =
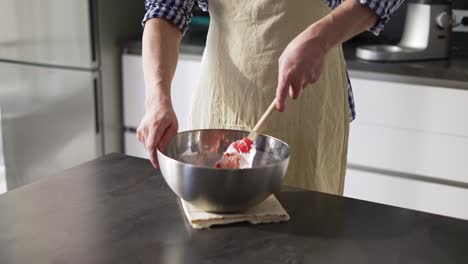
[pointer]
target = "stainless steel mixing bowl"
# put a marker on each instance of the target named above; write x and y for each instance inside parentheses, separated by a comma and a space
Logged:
(187, 165)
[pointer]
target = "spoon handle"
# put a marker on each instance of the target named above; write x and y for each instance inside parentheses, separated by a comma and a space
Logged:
(261, 123)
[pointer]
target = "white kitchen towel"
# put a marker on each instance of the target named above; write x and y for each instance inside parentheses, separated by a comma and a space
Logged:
(268, 211)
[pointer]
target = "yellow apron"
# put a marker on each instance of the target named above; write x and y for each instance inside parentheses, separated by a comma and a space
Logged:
(238, 80)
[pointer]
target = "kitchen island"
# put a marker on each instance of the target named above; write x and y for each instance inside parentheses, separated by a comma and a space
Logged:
(118, 209)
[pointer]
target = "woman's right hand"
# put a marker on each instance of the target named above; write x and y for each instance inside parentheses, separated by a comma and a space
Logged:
(158, 126)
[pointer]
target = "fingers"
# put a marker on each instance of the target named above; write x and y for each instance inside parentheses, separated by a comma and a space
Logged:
(156, 129)
(153, 158)
(166, 138)
(141, 135)
(282, 90)
(295, 88)
(293, 93)
(154, 136)
(151, 146)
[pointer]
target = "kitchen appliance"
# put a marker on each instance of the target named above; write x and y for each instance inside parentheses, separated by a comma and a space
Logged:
(426, 34)
(60, 82)
(187, 165)
(460, 30)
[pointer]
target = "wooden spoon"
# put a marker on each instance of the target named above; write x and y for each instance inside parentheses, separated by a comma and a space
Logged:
(261, 122)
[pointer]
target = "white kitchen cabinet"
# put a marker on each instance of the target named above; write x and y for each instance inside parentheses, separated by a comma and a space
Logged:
(183, 84)
(409, 146)
(133, 90)
(410, 106)
(410, 151)
(417, 195)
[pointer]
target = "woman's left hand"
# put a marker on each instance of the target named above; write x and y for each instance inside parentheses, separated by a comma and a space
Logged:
(300, 64)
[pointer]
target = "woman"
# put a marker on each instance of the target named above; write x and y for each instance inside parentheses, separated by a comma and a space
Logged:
(257, 51)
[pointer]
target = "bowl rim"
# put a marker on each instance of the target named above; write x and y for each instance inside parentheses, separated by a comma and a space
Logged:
(226, 169)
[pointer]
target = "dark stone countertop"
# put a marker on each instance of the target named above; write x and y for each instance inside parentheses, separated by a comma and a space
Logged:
(118, 209)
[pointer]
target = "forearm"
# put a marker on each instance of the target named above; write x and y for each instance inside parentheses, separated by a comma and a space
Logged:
(161, 41)
(346, 21)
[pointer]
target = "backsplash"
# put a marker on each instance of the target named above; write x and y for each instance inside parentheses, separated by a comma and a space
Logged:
(460, 4)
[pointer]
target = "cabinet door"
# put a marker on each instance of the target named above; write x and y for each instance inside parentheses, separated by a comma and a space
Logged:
(417, 195)
(53, 32)
(411, 129)
(410, 151)
(49, 120)
(133, 90)
(183, 84)
(423, 108)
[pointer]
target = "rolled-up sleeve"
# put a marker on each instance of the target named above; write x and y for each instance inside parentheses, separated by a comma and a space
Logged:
(178, 12)
(382, 8)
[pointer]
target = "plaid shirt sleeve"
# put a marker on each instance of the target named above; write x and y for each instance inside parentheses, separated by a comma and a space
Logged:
(178, 12)
(382, 8)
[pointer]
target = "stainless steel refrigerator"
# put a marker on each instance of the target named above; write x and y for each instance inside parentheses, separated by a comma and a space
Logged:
(60, 84)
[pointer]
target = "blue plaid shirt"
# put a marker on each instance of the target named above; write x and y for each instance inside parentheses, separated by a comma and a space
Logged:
(179, 12)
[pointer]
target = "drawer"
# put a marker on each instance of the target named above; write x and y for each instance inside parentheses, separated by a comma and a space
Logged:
(417, 195)
(133, 147)
(425, 108)
(409, 151)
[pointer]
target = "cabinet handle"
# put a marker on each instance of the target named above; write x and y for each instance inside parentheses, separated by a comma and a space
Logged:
(96, 105)
(409, 176)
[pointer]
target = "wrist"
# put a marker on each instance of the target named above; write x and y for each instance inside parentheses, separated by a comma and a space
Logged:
(158, 98)
(324, 32)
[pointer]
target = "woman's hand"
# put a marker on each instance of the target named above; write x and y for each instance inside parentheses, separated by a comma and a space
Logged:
(157, 128)
(300, 64)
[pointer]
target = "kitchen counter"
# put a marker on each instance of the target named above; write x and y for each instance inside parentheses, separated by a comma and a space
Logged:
(455, 69)
(446, 73)
(118, 209)
(452, 73)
